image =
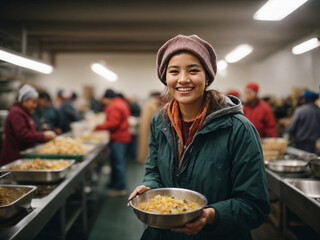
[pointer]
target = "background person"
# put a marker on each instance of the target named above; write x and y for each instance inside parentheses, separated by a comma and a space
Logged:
(259, 112)
(235, 93)
(117, 114)
(20, 129)
(67, 110)
(134, 121)
(150, 108)
(305, 123)
(46, 116)
(201, 141)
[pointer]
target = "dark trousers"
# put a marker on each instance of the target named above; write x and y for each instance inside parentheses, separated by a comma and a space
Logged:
(308, 146)
(118, 165)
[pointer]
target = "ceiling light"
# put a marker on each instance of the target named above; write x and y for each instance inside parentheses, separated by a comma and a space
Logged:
(104, 72)
(276, 10)
(238, 53)
(222, 65)
(306, 46)
(22, 61)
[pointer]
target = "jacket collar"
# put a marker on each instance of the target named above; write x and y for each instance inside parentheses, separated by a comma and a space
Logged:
(19, 106)
(215, 120)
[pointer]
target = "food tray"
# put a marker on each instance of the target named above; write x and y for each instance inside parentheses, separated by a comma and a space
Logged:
(37, 176)
(104, 135)
(3, 173)
(24, 202)
(33, 153)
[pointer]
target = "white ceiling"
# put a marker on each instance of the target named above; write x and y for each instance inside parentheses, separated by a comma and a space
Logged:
(143, 26)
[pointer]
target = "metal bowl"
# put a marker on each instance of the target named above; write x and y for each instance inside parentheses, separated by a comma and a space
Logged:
(315, 167)
(287, 165)
(168, 221)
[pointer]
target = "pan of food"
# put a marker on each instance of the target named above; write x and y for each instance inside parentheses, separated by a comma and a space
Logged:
(60, 148)
(287, 165)
(95, 137)
(38, 170)
(14, 198)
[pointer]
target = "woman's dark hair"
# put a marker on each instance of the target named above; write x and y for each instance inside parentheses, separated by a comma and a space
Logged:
(45, 95)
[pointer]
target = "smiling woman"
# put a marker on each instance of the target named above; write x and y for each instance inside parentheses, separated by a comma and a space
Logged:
(201, 141)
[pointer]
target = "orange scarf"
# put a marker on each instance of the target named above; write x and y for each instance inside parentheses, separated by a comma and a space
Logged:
(174, 116)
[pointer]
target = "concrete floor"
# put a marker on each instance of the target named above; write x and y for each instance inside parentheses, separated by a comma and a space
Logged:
(115, 220)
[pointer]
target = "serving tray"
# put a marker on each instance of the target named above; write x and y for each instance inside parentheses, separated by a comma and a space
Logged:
(37, 176)
(33, 153)
(24, 202)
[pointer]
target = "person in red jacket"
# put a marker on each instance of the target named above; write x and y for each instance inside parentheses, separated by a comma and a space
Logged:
(259, 112)
(117, 113)
(20, 129)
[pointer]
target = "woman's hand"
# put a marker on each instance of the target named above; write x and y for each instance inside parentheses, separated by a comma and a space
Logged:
(139, 189)
(207, 217)
(45, 127)
(49, 135)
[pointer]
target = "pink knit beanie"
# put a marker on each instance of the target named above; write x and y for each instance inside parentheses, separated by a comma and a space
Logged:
(193, 44)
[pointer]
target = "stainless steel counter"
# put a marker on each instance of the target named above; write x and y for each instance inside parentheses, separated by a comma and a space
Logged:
(305, 207)
(43, 209)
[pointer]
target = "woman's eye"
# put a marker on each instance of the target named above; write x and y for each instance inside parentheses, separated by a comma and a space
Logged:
(173, 71)
(194, 70)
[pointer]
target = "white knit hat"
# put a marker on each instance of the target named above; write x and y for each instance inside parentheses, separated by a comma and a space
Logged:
(27, 92)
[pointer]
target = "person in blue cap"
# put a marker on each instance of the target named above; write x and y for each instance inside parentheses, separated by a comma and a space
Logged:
(305, 123)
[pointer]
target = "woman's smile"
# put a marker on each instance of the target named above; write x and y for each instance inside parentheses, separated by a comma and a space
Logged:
(184, 90)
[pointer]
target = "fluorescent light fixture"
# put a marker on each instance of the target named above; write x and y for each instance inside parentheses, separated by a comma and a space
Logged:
(306, 46)
(276, 10)
(238, 53)
(222, 65)
(22, 61)
(104, 72)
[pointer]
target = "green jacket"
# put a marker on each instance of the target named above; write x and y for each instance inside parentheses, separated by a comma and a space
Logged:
(224, 162)
(49, 115)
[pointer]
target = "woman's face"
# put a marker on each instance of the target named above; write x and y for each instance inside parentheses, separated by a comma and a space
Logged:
(186, 78)
(42, 102)
(30, 104)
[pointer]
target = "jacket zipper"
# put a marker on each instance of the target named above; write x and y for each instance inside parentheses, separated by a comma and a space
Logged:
(186, 149)
(174, 150)
(184, 153)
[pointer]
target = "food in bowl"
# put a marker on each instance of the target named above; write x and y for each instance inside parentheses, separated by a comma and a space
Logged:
(38, 164)
(64, 145)
(168, 220)
(165, 204)
(9, 195)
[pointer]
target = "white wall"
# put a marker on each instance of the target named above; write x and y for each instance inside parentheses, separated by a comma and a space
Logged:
(283, 70)
(234, 77)
(137, 74)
